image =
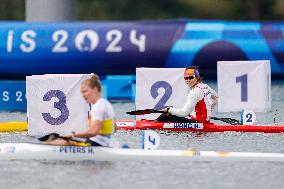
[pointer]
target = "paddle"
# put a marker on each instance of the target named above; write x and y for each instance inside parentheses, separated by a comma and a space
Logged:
(54, 136)
(149, 111)
(143, 112)
(228, 120)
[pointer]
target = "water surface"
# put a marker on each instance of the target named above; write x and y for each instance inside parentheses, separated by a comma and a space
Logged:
(155, 175)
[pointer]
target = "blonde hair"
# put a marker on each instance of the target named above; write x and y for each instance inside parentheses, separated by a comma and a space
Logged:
(93, 82)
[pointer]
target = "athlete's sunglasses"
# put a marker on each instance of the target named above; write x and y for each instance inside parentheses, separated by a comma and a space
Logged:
(188, 77)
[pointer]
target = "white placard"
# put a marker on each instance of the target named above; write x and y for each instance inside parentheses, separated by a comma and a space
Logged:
(248, 117)
(150, 140)
(159, 87)
(244, 85)
(55, 104)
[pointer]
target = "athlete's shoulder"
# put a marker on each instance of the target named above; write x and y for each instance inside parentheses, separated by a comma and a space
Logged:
(200, 86)
(196, 90)
(100, 102)
(203, 85)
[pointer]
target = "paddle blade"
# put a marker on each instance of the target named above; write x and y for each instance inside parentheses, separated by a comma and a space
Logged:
(138, 112)
(49, 137)
(231, 121)
(228, 120)
(54, 136)
(143, 112)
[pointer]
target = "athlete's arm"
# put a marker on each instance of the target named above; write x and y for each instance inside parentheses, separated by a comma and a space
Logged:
(93, 129)
(214, 98)
(213, 92)
(193, 97)
(95, 123)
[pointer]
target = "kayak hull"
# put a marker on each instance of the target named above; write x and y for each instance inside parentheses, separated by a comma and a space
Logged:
(27, 151)
(194, 127)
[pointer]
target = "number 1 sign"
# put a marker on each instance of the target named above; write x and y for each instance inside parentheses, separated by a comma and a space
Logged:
(244, 85)
(159, 87)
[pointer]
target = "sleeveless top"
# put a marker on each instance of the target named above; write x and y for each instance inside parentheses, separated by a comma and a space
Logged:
(102, 110)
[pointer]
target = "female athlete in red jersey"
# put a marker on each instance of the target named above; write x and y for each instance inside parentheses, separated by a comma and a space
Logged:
(199, 103)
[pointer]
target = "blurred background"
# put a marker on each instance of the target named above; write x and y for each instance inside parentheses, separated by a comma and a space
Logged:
(75, 36)
(161, 9)
(113, 38)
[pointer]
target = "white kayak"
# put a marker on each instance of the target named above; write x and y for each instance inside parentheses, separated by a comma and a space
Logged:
(29, 151)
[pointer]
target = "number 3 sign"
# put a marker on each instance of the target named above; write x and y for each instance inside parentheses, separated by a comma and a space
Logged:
(244, 85)
(159, 87)
(55, 104)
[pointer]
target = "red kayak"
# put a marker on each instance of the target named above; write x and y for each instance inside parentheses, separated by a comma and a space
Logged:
(195, 127)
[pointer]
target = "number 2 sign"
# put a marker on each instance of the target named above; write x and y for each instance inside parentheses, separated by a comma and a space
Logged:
(158, 88)
(168, 90)
(244, 85)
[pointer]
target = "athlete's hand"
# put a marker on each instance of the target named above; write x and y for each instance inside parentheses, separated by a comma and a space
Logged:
(164, 110)
(214, 100)
(68, 135)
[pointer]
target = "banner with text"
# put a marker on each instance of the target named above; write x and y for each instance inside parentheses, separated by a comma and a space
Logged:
(108, 48)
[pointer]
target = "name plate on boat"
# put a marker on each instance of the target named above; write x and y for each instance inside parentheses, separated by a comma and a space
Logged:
(244, 85)
(183, 126)
(125, 123)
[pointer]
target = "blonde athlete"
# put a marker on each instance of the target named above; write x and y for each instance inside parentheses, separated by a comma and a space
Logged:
(199, 103)
(100, 124)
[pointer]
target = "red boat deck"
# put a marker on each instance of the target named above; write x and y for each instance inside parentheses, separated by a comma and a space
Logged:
(195, 127)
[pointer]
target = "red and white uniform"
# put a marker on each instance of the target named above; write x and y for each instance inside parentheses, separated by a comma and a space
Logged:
(198, 104)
